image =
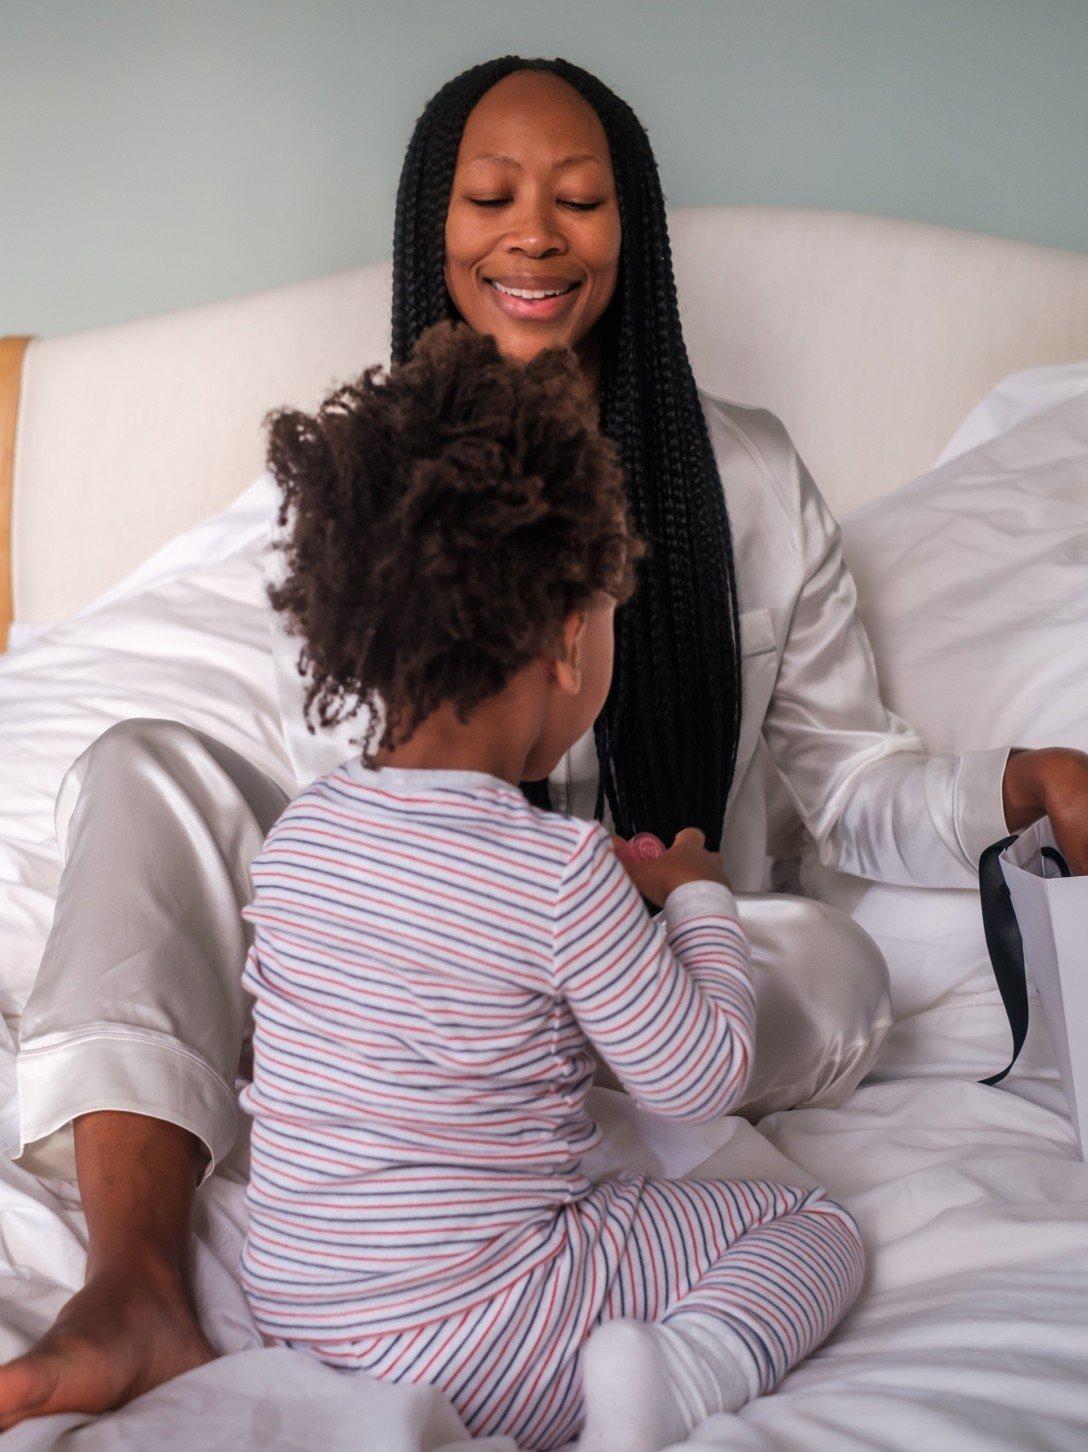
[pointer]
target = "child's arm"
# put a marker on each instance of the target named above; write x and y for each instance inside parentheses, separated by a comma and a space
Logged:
(673, 1013)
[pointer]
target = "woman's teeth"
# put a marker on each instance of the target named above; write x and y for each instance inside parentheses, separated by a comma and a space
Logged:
(531, 296)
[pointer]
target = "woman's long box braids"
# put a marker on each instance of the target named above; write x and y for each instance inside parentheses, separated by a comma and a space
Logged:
(667, 736)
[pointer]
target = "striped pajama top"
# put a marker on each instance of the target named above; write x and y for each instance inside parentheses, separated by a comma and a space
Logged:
(432, 958)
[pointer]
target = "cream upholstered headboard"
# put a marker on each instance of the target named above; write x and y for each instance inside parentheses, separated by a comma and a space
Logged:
(869, 337)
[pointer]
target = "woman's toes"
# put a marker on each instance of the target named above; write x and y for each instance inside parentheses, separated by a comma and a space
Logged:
(123, 1334)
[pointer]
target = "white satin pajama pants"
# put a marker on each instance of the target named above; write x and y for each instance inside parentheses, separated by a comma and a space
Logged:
(138, 1003)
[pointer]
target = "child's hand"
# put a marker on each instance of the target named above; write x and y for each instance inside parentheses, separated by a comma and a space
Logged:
(687, 860)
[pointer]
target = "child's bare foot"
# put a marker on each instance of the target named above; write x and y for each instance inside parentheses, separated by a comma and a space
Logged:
(129, 1329)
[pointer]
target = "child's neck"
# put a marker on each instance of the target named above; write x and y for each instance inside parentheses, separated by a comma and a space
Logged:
(497, 738)
(435, 761)
(449, 752)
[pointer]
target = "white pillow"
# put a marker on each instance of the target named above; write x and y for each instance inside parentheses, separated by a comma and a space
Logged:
(973, 586)
(185, 637)
(1015, 399)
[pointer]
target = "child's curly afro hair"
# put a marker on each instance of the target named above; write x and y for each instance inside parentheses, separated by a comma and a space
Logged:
(443, 520)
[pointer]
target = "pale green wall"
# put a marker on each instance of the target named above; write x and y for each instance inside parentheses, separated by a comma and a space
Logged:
(154, 155)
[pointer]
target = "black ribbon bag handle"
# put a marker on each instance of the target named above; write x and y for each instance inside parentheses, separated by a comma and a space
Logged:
(1004, 943)
(1005, 946)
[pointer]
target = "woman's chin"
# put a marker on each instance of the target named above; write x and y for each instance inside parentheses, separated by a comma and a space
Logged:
(516, 347)
(521, 341)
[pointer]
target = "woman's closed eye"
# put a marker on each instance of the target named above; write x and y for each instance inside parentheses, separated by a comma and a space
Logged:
(563, 201)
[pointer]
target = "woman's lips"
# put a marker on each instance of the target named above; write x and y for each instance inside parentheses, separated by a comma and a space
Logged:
(539, 309)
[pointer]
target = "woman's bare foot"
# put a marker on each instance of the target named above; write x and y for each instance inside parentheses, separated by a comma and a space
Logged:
(129, 1329)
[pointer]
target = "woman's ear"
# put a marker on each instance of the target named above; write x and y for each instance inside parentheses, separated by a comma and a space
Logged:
(568, 666)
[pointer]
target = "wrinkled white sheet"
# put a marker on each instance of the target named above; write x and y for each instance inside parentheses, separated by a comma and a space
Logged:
(971, 1333)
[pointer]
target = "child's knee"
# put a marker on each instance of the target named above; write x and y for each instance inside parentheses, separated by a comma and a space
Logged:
(839, 1226)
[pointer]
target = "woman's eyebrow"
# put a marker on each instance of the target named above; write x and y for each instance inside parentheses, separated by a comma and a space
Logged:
(564, 161)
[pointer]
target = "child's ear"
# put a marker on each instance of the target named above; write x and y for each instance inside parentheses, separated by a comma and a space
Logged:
(568, 666)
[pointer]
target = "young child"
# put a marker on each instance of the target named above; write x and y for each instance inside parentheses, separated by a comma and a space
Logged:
(435, 958)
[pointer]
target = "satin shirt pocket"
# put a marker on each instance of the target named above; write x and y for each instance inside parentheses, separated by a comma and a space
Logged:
(759, 668)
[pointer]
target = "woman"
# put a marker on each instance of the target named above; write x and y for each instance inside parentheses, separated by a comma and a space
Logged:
(521, 177)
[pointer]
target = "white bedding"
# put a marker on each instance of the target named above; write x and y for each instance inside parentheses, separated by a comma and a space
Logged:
(973, 585)
(972, 1331)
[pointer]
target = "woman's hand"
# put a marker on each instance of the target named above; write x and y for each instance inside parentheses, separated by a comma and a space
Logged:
(1052, 782)
(687, 860)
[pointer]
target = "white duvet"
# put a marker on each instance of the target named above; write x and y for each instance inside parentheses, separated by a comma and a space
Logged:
(972, 1329)
(971, 1333)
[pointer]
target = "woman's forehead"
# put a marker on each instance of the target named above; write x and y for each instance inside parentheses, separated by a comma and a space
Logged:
(534, 116)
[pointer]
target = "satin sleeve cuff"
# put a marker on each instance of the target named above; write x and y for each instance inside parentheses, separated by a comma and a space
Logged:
(978, 803)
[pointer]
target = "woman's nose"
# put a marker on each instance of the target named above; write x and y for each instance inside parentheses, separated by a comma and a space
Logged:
(536, 230)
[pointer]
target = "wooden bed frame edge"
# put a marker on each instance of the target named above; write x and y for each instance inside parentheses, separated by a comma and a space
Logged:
(12, 354)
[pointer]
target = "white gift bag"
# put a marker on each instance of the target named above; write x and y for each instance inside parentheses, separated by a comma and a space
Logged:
(1039, 926)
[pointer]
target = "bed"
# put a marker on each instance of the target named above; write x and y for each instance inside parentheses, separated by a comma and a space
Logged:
(128, 575)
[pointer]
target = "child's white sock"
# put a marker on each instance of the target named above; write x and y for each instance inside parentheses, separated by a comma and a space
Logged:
(647, 1385)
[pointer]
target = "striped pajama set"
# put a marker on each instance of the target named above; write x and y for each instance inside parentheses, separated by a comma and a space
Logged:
(432, 959)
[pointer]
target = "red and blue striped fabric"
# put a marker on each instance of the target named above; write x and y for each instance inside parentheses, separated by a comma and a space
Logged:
(775, 1264)
(432, 959)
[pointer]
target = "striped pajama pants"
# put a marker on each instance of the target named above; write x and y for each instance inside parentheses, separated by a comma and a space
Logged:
(780, 1266)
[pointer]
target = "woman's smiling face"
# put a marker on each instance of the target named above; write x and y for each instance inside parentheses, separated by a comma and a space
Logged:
(533, 208)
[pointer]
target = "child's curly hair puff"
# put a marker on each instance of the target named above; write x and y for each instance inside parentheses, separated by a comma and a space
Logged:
(445, 518)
